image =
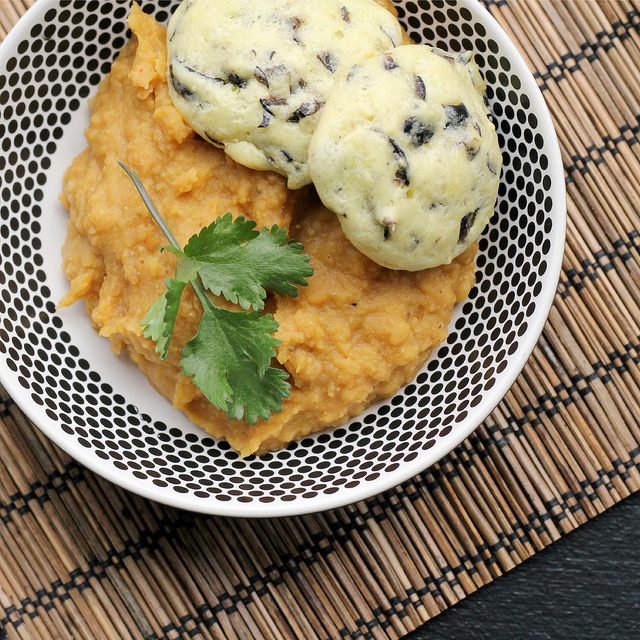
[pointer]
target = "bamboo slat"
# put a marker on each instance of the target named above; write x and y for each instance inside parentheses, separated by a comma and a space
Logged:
(83, 559)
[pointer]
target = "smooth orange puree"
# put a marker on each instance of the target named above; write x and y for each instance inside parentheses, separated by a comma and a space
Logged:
(356, 333)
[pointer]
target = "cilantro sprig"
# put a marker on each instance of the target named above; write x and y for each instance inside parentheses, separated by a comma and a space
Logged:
(229, 358)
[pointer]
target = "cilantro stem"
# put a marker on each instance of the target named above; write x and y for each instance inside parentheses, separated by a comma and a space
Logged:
(155, 214)
(159, 220)
(201, 292)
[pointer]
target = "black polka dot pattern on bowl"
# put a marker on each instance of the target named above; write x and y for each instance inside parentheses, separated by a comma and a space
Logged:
(51, 70)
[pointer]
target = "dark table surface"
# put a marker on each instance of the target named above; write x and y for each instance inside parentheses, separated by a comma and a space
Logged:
(585, 586)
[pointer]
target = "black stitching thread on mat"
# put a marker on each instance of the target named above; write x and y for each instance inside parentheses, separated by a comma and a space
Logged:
(602, 263)
(5, 410)
(181, 629)
(625, 357)
(595, 154)
(587, 490)
(606, 40)
(495, 3)
(149, 540)
(534, 522)
(604, 477)
(56, 481)
(340, 535)
(81, 579)
(6, 621)
(399, 494)
(377, 510)
(597, 367)
(402, 493)
(208, 622)
(556, 70)
(576, 280)
(533, 518)
(358, 525)
(423, 482)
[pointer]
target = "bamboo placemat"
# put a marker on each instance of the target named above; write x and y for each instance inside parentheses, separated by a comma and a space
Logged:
(82, 559)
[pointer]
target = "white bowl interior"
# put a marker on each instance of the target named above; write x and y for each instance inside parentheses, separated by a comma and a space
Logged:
(100, 408)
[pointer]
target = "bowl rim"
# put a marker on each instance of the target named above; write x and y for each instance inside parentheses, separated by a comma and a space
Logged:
(407, 470)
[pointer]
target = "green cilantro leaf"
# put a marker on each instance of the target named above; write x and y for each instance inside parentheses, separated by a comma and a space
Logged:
(229, 360)
(229, 357)
(160, 320)
(239, 262)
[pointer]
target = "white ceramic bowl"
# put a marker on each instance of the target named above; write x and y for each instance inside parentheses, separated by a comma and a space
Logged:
(100, 409)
